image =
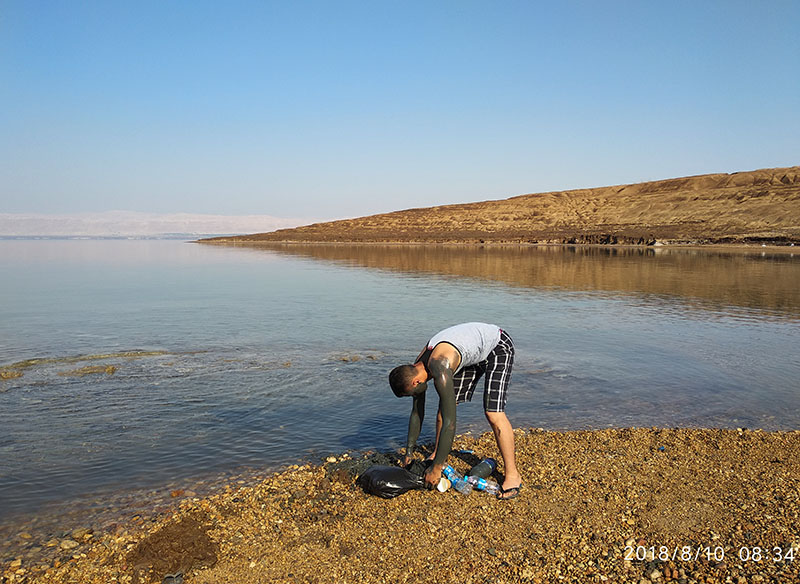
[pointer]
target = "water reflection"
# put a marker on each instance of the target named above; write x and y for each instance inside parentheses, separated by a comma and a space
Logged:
(751, 279)
(240, 349)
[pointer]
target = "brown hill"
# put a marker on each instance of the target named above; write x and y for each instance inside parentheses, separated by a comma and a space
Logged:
(761, 205)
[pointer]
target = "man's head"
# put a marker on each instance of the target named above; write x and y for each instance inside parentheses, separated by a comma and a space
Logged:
(407, 380)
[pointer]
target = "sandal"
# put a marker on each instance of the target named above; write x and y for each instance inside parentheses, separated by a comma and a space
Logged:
(513, 490)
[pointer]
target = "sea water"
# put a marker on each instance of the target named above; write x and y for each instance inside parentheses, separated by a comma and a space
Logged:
(147, 363)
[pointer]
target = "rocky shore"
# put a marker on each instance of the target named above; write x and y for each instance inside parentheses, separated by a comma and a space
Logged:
(618, 505)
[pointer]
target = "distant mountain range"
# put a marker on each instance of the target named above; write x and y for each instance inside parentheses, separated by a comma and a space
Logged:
(134, 224)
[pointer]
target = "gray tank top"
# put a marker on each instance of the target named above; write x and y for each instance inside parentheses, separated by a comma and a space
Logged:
(474, 340)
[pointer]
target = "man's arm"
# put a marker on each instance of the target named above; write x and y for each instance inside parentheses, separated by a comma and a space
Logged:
(443, 382)
(415, 424)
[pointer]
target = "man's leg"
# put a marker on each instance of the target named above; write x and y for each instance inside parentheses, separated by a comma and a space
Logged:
(504, 435)
(498, 375)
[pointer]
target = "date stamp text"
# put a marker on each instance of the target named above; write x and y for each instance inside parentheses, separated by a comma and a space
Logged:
(693, 553)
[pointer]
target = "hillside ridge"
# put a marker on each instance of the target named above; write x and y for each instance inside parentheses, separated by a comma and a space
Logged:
(741, 207)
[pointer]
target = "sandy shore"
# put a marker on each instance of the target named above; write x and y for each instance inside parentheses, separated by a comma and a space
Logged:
(622, 505)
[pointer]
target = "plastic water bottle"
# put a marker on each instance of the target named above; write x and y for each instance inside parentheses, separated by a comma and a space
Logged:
(481, 484)
(492, 488)
(463, 486)
(484, 468)
(450, 473)
(459, 483)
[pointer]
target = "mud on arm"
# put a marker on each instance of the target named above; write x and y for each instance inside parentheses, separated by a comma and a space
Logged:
(415, 423)
(443, 382)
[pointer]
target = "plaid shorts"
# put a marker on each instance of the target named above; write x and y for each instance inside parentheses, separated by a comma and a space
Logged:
(496, 368)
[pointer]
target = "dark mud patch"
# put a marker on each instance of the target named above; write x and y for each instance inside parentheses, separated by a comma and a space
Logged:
(346, 470)
(175, 549)
(17, 369)
(89, 370)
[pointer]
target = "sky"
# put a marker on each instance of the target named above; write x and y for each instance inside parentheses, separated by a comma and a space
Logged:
(339, 109)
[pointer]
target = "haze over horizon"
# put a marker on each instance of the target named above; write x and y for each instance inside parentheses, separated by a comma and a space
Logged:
(136, 224)
(334, 110)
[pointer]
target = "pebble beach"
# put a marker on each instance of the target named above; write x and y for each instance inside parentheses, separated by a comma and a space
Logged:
(618, 505)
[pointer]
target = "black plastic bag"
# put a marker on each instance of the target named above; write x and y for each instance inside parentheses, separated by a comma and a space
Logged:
(419, 467)
(389, 481)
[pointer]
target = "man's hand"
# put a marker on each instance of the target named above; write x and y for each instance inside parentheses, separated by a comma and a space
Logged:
(433, 475)
(405, 461)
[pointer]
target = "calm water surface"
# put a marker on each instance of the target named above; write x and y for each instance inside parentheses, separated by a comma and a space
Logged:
(230, 358)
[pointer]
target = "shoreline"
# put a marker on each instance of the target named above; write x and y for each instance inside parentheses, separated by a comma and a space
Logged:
(588, 495)
(773, 247)
(35, 535)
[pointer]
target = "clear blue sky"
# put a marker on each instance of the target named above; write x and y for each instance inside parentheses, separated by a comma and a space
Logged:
(338, 108)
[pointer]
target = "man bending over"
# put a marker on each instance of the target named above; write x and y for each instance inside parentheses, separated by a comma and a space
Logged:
(455, 359)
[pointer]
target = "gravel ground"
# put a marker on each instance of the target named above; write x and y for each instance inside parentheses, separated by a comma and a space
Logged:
(623, 505)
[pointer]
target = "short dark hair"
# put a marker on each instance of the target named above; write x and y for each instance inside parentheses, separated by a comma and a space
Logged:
(400, 379)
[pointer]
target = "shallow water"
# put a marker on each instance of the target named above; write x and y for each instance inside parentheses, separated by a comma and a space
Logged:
(255, 358)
